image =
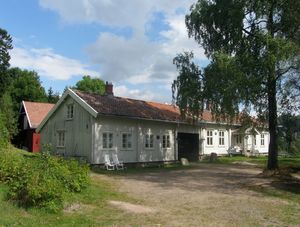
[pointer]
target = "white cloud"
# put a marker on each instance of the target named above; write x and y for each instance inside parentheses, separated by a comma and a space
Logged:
(135, 59)
(123, 91)
(48, 63)
(119, 13)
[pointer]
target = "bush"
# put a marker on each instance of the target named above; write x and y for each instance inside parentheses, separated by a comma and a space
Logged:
(4, 134)
(41, 180)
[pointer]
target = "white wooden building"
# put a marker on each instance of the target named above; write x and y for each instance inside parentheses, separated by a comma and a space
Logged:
(90, 126)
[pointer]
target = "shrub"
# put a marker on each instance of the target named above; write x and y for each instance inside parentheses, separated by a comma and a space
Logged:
(4, 134)
(41, 180)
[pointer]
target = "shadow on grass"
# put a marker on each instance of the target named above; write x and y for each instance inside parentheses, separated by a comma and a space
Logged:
(130, 169)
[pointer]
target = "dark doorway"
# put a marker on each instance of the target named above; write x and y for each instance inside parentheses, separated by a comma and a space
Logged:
(188, 146)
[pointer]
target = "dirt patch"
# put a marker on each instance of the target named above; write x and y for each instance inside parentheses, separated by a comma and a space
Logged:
(77, 207)
(209, 195)
(133, 208)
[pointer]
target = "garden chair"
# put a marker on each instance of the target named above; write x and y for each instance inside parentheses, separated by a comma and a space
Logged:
(119, 164)
(108, 164)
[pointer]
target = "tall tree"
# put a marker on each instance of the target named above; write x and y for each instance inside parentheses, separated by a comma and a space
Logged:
(92, 85)
(255, 49)
(5, 46)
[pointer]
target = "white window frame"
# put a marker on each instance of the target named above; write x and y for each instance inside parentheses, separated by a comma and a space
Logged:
(210, 137)
(262, 140)
(221, 138)
(126, 140)
(166, 141)
(70, 111)
(149, 141)
(61, 138)
(109, 140)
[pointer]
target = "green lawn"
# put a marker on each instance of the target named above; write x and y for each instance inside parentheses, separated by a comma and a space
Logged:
(284, 162)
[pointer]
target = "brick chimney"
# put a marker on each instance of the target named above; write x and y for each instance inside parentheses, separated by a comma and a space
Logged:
(109, 89)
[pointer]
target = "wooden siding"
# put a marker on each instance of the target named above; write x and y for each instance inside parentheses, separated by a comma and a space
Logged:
(215, 147)
(78, 131)
(138, 129)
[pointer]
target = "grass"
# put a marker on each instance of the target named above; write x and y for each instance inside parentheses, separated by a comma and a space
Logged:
(93, 209)
(144, 169)
(93, 202)
(284, 162)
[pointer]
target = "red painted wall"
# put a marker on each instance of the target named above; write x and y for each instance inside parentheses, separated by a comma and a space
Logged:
(36, 140)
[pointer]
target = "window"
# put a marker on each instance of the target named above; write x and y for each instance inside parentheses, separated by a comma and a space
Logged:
(209, 137)
(166, 141)
(70, 111)
(238, 139)
(61, 139)
(149, 139)
(221, 138)
(262, 139)
(126, 141)
(254, 138)
(107, 140)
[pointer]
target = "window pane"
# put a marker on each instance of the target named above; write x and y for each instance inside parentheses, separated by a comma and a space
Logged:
(149, 140)
(110, 145)
(209, 139)
(104, 140)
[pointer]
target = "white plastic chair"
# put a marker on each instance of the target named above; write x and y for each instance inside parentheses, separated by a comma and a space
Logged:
(108, 164)
(119, 165)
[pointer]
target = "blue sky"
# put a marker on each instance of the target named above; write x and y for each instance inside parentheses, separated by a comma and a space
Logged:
(130, 43)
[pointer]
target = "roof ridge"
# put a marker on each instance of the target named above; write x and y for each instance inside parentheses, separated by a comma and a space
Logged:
(122, 97)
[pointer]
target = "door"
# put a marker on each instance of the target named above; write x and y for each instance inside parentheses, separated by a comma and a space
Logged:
(188, 146)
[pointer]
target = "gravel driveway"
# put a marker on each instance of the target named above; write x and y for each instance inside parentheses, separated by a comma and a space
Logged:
(208, 195)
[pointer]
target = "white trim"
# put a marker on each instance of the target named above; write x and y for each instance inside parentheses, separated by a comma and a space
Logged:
(131, 142)
(81, 102)
(28, 119)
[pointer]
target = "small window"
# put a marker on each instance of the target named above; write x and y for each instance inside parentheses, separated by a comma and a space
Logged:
(70, 111)
(149, 139)
(126, 141)
(107, 140)
(238, 139)
(166, 141)
(61, 139)
(209, 137)
(262, 139)
(254, 138)
(221, 138)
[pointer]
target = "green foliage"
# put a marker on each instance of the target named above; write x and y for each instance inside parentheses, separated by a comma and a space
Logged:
(51, 96)
(4, 134)
(290, 125)
(5, 46)
(187, 89)
(41, 180)
(26, 86)
(92, 85)
(8, 114)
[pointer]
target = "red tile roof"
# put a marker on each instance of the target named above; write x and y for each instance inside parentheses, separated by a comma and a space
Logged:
(36, 112)
(119, 106)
